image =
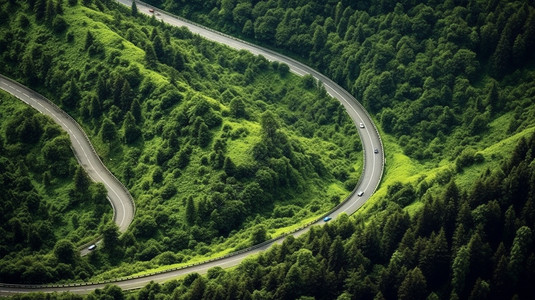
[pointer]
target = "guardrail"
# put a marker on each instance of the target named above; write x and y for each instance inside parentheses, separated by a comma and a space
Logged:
(316, 74)
(319, 76)
(64, 114)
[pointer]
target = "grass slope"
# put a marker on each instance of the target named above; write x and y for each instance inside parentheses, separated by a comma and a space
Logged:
(185, 123)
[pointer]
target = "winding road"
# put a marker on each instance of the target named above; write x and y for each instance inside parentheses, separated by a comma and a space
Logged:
(121, 200)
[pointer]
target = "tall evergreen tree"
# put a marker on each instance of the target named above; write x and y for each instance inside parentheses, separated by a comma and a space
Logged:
(190, 211)
(414, 286)
(73, 95)
(134, 9)
(130, 130)
(81, 180)
(108, 131)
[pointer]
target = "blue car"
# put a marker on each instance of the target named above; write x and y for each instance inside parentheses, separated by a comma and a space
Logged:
(327, 219)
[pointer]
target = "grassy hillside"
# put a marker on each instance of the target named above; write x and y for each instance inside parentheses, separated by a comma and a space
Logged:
(47, 203)
(215, 145)
(452, 86)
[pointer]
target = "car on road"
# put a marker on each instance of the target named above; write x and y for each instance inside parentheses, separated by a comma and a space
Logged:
(327, 219)
(361, 125)
(360, 193)
(376, 150)
(151, 10)
(92, 247)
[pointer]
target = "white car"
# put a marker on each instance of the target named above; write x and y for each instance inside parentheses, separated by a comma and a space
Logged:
(361, 125)
(92, 247)
(360, 193)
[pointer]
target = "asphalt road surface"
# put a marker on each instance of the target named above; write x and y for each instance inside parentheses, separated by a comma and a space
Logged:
(120, 199)
(368, 183)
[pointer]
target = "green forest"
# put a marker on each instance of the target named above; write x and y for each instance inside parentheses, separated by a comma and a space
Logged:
(450, 84)
(220, 149)
(47, 202)
(433, 74)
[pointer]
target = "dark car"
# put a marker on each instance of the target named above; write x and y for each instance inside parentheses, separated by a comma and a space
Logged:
(327, 219)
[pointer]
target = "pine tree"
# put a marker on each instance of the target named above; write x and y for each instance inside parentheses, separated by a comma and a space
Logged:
(492, 100)
(108, 131)
(502, 57)
(94, 108)
(89, 40)
(102, 89)
(229, 166)
(150, 56)
(481, 290)
(134, 9)
(204, 136)
(414, 286)
(460, 269)
(435, 258)
(519, 252)
(73, 95)
(337, 256)
(110, 236)
(178, 61)
(130, 129)
(135, 108)
(158, 48)
(127, 94)
(81, 180)
(190, 211)
(237, 108)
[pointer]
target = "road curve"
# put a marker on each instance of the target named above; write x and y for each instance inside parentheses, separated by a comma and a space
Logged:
(118, 195)
(368, 183)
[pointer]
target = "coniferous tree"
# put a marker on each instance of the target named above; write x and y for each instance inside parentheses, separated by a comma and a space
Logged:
(158, 48)
(134, 9)
(190, 211)
(237, 108)
(178, 61)
(131, 131)
(89, 40)
(203, 136)
(229, 166)
(110, 236)
(65, 252)
(73, 95)
(95, 109)
(126, 97)
(135, 108)
(81, 180)
(108, 131)
(414, 286)
(519, 253)
(150, 56)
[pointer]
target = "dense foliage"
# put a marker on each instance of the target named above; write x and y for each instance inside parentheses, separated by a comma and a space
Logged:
(430, 71)
(473, 244)
(47, 204)
(211, 142)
